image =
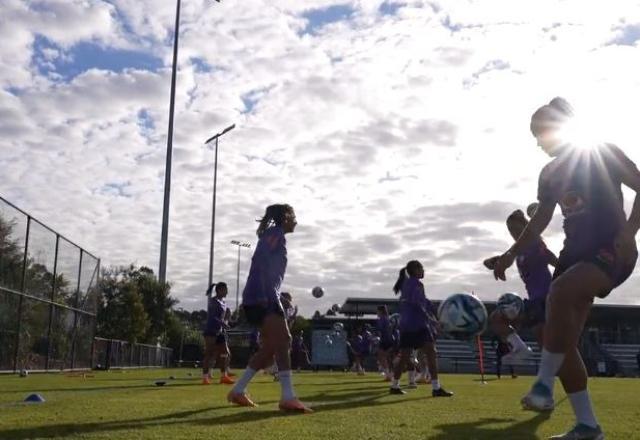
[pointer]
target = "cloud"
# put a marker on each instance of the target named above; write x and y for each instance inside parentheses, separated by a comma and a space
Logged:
(397, 130)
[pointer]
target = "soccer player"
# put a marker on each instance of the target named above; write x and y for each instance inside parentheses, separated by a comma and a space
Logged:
(214, 333)
(599, 252)
(533, 267)
(385, 346)
(417, 318)
(263, 307)
(299, 352)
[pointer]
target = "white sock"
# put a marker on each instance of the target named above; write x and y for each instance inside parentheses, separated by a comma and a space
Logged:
(241, 385)
(581, 404)
(412, 376)
(395, 383)
(515, 341)
(435, 384)
(286, 385)
(550, 363)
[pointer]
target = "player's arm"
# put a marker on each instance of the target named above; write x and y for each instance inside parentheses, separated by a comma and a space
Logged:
(532, 231)
(551, 258)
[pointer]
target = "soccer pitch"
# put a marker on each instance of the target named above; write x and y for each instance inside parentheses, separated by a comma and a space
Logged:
(127, 405)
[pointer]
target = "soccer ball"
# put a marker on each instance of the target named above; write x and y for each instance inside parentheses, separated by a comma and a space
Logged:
(395, 319)
(317, 292)
(24, 373)
(462, 316)
(510, 305)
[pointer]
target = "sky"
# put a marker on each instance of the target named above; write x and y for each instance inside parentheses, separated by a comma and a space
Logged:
(398, 130)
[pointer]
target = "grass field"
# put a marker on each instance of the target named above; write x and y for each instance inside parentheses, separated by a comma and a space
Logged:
(126, 405)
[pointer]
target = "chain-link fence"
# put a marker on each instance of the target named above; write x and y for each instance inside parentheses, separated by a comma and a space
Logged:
(48, 294)
(112, 353)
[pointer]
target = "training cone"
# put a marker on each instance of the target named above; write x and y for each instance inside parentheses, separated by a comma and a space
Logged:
(34, 398)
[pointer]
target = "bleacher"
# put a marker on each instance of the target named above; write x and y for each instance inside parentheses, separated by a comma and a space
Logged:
(625, 354)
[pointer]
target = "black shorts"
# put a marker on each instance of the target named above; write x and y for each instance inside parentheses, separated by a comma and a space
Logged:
(605, 259)
(255, 314)
(415, 340)
(534, 312)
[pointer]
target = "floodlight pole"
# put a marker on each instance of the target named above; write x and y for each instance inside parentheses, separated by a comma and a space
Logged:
(240, 245)
(215, 138)
(162, 269)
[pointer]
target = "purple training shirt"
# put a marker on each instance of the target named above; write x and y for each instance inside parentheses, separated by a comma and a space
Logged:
(533, 266)
(415, 308)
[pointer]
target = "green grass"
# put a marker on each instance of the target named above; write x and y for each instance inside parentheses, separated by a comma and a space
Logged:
(126, 405)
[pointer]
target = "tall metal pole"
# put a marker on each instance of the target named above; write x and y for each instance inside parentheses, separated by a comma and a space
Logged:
(213, 214)
(162, 270)
(238, 280)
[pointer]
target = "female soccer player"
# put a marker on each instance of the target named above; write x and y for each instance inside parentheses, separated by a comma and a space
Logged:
(385, 347)
(533, 267)
(263, 308)
(417, 318)
(599, 252)
(215, 344)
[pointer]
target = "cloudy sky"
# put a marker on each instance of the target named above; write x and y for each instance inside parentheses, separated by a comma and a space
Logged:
(397, 129)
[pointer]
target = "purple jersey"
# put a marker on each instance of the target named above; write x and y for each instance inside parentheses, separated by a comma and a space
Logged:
(415, 308)
(533, 266)
(267, 270)
(216, 309)
(586, 183)
(384, 329)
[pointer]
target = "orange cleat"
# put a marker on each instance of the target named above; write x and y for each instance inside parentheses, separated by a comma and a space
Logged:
(230, 374)
(240, 399)
(206, 381)
(226, 380)
(294, 405)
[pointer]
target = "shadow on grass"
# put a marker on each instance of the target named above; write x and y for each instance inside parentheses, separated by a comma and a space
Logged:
(240, 415)
(525, 430)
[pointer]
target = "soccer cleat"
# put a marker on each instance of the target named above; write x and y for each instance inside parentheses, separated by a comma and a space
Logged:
(441, 392)
(581, 432)
(294, 405)
(240, 399)
(412, 385)
(226, 380)
(393, 390)
(516, 355)
(206, 381)
(539, 399)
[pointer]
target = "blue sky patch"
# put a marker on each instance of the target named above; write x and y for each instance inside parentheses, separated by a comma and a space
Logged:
(628, 35)
(67, 64)
(115, 189)
(318, 18)
(390, 8)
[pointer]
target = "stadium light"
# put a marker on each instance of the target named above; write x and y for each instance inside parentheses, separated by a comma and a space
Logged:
(240, 245)
(215, 137)
(162, 269)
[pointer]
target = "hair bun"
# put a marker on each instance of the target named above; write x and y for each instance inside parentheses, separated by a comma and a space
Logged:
(562, 105)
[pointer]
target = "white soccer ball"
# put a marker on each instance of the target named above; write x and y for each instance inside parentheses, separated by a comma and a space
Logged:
(463, 316)
(317, 292)
(24, 373)
(338, 327)
(510, 305)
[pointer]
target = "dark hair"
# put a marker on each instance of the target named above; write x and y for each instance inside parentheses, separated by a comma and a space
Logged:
(407, 271)
(551, 116)
(273, 216)
(517, 216)
(218, 286)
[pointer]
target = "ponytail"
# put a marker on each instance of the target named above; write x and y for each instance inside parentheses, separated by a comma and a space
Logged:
(408, 271)
(551, 116)
(273, 216)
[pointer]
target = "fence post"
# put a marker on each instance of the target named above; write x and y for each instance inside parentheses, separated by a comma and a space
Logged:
(51, 306)
(23, 283)
(75, 314)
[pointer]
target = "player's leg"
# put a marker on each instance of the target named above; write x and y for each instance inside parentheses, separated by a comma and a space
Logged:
(432, 363)
(208, 357)
(506, 330)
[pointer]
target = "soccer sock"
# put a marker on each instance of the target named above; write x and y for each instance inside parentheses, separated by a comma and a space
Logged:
(241, 385)
(286, 385)
(412, 376)
(516, 342)
(435, 384)
(550, 363)
(395, 383)
(581, 404)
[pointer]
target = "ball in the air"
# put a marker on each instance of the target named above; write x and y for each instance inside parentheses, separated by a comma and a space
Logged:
(462, 316)
(317, 292)
(510, 305)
